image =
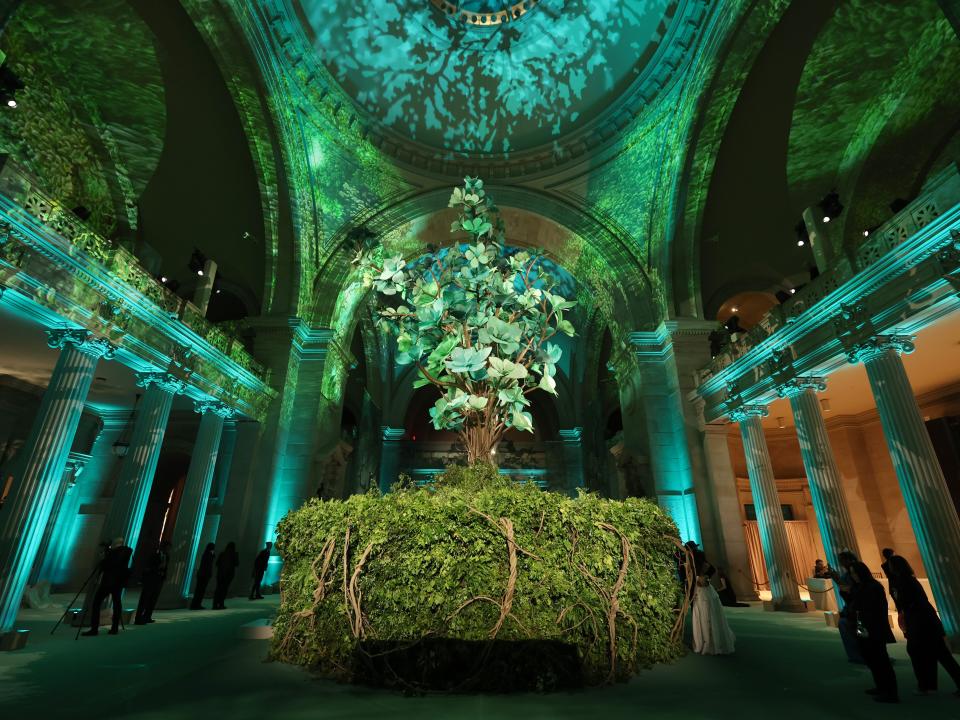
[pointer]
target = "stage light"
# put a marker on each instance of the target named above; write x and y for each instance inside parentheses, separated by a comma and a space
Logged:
(800, 243)
(163, 279)
(793, 291)
(734, 309)
(826, 218)
(866, 233)
(11, 103)
(200, 273)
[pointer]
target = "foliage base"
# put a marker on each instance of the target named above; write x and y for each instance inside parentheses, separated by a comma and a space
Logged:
(473, 582)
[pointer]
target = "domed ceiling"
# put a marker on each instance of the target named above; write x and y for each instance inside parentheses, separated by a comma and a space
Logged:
(486, 77)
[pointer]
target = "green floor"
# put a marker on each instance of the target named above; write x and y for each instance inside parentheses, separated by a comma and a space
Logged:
(194, 665)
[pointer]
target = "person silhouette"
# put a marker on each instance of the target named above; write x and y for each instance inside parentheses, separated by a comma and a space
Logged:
(926, 639)
(204, 573)
(869, 606)
(259, 569)
(226, 569)
(153, 576)
(114, 571)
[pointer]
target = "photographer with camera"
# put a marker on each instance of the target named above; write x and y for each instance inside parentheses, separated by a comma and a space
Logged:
(114, 571)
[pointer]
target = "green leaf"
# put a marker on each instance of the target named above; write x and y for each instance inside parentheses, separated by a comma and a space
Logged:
(464, 360)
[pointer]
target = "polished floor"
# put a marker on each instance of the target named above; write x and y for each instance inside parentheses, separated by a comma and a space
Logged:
(198, 665)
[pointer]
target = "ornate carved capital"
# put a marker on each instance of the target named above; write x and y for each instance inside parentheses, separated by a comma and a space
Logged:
(83, 340)
(164, 380)
(798, 385)
(949, 254)
(747, 411)
(877, 345)
(214, 406)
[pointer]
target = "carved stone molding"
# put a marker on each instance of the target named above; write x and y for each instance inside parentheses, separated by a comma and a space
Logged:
(747, 411)
(83, 340)
(796, 386)
(879, 344)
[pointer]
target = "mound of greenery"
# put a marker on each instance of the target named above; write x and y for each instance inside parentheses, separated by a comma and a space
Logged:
(425, 588)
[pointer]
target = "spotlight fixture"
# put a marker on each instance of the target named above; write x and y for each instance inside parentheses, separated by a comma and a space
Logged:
(734, 309)
(163, 279)
(866, 233)
(10, 84)
(830, 206)
(800, 243)
(197, 261)
(793, 291)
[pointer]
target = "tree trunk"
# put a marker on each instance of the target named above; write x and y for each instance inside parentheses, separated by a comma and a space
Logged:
(479, 441)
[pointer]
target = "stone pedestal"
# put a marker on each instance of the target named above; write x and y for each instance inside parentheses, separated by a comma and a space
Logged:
(140, 463)
(34, 491)
(823, 476)
(193, 504)
(773, 533)
(929, 504)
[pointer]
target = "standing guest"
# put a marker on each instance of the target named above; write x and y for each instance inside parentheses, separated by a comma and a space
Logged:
(204, 573)
(885, 565)
(820, 569)
(726, 593)
(259, 569)
(845, 622)
(114, 571)
(153, 577)
(711, 633)
(869, 607)
(226, 569)
(926, 639)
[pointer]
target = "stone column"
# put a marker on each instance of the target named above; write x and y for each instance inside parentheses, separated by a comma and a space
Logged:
(140, 464)
(573, 458)
(929, 504)
(823, 476)
(726, 501)
(193, 502)
(44, 565)
(390, 457)
(28, 508)
(773, 533)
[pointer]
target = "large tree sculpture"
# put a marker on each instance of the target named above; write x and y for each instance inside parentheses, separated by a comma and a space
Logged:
(476, 319)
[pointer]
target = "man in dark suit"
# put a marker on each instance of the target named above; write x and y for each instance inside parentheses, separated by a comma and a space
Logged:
(259, 568)
(114, 571)
(153, 576)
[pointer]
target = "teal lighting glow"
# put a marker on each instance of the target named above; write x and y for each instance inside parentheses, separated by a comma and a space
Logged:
(475, 87)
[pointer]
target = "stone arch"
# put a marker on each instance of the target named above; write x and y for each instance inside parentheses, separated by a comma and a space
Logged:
(596, 256)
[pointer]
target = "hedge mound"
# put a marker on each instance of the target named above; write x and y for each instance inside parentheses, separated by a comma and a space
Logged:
(430, 588)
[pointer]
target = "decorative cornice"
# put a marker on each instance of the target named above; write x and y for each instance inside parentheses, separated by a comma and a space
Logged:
(571, 436)
(798, 385)
(83, 340)
(748, 411)
(874, 347)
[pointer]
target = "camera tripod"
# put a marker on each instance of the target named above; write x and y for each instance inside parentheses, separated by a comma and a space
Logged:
(96, 572)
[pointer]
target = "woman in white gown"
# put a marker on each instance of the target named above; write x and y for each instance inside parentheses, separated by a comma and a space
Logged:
(711, 634)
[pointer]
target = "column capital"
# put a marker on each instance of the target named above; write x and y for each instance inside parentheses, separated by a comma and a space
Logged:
(215, 407)
(392, 433)
(877, 345)
(83, 340)
(165, 381)
(743, 412)
(571, 435)
(799, 384)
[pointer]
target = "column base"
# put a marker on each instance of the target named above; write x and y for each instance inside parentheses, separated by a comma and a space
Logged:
(784, 606)
(13, 640)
